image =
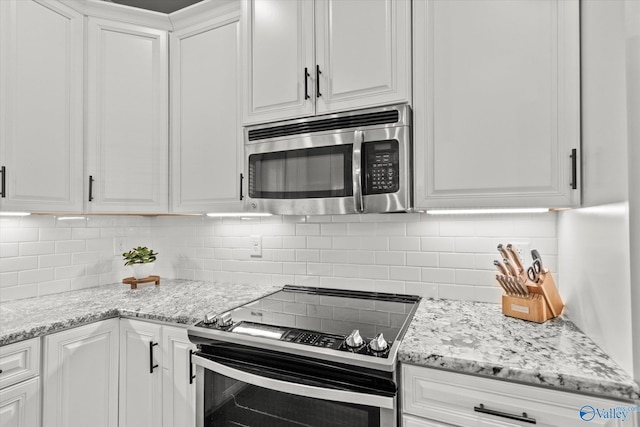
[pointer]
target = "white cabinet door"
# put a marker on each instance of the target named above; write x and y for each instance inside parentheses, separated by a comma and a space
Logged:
(207, 145)
(140, 374)
(179, 389)
(496, 103)
(363, 51)
(80, 376)
(41, 106)
(127, 119)
(278, 48)
(20, 405)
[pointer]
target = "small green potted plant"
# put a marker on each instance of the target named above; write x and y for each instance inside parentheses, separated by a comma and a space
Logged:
(142, 260)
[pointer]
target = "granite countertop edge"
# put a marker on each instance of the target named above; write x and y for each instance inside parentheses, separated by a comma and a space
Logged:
(610, 384)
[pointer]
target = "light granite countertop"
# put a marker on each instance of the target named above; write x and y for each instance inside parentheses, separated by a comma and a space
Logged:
(174, 301)
(476, 338)
(462, 336)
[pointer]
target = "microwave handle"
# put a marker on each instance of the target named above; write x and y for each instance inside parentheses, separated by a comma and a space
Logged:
(356, 167)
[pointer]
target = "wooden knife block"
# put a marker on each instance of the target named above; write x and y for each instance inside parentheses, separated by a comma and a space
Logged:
(542, 303)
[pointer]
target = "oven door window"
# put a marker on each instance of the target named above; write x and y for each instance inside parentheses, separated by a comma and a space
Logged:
(231, 402)
(302, 174)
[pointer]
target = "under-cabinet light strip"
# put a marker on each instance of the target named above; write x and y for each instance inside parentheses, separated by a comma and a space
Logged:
(237, 214)
(485, 211)
(14, 214)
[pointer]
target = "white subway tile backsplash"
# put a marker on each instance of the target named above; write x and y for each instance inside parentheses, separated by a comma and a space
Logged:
(449, 257)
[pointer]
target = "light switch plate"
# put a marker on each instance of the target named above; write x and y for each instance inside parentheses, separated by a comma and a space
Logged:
(255, 246)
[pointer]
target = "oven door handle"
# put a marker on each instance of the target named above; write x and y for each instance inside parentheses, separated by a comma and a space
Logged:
(356, 171)
(294, 388)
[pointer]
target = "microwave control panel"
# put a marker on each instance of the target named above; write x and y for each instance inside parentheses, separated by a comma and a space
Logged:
(381, 166)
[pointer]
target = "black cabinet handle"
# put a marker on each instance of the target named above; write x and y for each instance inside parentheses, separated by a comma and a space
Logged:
(3, 188)
(318, 72)
(90, 188)
(191, 376)
(0, 371)
(306, 83)
(151, 365)
(241, 180)
(524, 417)
(574, 169)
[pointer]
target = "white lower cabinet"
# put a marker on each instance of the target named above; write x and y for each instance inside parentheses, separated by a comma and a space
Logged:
(431, 397)
(80, 376)
(179, 389)
(20, 384)
(154, 376)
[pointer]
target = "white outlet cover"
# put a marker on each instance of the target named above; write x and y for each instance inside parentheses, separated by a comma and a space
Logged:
(255, 246)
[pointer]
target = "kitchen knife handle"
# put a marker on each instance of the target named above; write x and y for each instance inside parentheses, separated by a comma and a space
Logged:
(151, 365)
(306, 83)
(574, 169)
(241, 180)
(3, 188)
(191, 376)
(90, 188)
(524, 417)
(318, 72)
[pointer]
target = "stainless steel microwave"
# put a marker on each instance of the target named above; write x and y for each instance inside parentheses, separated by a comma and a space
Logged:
(344, 163)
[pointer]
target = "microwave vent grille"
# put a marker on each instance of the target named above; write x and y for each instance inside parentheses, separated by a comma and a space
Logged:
(333, 123)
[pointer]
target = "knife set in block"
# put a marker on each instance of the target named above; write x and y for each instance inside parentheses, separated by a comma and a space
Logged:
(530, 294)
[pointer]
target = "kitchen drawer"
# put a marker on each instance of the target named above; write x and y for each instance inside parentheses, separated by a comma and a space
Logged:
(19, 361)
(457, 398)
(409, 421)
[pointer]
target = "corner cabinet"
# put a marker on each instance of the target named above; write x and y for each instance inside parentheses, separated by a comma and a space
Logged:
(206, 144)
(322, 56)
(156, 388)
(41, 106)
(434, 398)
(496, 103)
(127, 168)
(80, 376)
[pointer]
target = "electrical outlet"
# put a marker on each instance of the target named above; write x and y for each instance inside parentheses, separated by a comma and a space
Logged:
(523, 251)
(255, 246)
(119, 245)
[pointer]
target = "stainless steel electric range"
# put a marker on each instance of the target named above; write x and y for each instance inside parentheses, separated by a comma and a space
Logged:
(302, 356)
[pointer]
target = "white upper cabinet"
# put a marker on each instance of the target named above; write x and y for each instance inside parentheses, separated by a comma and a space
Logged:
(206, 144)
(303, 57)
(496, 103)
(363, 53)
(41, 109)
(127, 119)
(278, 49)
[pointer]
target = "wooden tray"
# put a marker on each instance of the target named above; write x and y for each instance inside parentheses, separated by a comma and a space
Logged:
(134, 282)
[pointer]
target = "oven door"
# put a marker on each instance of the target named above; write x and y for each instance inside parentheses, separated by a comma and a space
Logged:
(361, 171)
(241, 391)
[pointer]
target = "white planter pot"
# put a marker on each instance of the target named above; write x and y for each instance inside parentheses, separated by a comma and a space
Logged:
(142, 271)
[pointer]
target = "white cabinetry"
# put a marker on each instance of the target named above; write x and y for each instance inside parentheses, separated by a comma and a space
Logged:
(127, 118)
(431, 397)
(179, 391)
(207, 144)
(140, 374)
(20, 384)
(153, 357)
(361, 59)
(80, 376)
(496, 103)
(41, 106)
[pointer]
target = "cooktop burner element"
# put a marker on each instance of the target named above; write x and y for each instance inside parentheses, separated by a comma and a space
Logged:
(349, 326)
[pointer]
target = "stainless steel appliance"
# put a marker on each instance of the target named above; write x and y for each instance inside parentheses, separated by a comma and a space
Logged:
(302, 356)
(356, 162)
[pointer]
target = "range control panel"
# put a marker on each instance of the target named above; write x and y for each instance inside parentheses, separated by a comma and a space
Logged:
(381, 165)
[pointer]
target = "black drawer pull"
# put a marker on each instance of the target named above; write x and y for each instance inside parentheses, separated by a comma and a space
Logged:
(3, 186)
(574, 169)
(524, 418)
(151, 365)
(191, 376)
